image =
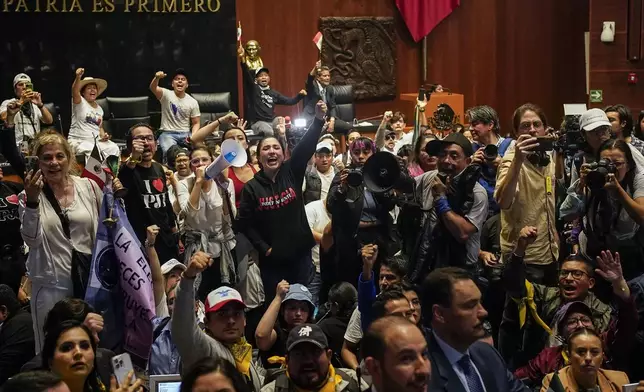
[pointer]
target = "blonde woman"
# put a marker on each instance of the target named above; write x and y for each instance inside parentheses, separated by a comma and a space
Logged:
(59, 219)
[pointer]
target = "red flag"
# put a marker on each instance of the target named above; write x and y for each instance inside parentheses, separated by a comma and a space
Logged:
(421, 16)
(318, 40)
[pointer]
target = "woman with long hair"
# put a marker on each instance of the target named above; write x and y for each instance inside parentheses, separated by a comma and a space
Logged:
(59, 216)
(584, 373)
(213, 375)
(271, 212)
(69, 351)
(208, 210)
(420, 162)
(240, 175)
(614, 205)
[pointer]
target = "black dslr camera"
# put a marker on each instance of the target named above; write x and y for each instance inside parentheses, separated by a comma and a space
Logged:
(571, 139)
(599, 171)
(354, 177)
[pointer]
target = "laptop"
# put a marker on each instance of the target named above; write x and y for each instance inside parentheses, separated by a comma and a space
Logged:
(165, 383)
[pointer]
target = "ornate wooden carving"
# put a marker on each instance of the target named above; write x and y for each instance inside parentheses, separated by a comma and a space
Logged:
(361, 52)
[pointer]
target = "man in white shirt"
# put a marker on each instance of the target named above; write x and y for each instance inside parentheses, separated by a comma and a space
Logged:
(32, 112)
(179, 111)
(319, 218)
(317, 179)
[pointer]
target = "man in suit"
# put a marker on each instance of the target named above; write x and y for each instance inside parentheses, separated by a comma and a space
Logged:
(395, 354)
(16, 334)
(318, 88)
(460, 362)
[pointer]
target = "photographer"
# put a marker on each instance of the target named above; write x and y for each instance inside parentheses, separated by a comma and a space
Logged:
(525, 192)
(489, 147)
(610, 194)
(358, 216)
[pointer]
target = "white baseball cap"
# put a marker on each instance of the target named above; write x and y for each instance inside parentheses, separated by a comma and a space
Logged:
(220, 297)
(21, 77)
(172, 264)
(324, 145)
(592, 119)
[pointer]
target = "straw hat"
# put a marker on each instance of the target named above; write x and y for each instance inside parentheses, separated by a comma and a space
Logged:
(101, 84)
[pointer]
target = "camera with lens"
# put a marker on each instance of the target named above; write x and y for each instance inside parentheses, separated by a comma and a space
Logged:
(490, 152)
(354, 177)
(570, 139)
(598, 174)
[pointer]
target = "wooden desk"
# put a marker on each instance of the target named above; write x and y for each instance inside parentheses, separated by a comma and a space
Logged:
(455, 101)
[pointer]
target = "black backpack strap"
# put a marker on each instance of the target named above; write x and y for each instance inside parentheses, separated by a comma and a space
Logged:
(49, 194)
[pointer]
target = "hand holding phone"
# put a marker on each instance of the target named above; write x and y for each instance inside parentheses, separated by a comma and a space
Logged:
(31, 163)
(122, 366)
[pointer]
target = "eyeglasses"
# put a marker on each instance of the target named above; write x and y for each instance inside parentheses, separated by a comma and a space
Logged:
(576, 274)
(145, 138)
(391, 136)
(583, 320)
(196, 161)
(526, 126)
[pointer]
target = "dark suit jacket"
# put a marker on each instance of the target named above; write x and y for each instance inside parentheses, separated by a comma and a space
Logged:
(495, 375)
(313, 96)
(16, 344)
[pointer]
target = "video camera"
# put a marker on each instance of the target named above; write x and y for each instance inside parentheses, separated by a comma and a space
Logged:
(570, 138)
(598, 175)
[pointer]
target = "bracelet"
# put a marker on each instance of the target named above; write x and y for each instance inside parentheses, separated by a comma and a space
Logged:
(442, 205)
(33, 204)
(132, 160)
(147, 244)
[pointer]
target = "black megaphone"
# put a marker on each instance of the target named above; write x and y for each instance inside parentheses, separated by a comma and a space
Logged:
(381, 172)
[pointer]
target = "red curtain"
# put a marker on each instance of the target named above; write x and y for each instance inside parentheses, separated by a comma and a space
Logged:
(421, 16)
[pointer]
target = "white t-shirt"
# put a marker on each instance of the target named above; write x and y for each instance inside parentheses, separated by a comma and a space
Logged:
(25, 126)
(318, 218)
(405, 138)
(176, 112)
(86, 121)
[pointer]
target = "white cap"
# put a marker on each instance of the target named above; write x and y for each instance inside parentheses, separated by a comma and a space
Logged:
(21, 77)
(221, 296)
(323, 145)
(172, 264)
(593, 119)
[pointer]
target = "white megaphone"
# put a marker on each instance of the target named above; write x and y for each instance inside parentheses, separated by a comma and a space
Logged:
(232, 154)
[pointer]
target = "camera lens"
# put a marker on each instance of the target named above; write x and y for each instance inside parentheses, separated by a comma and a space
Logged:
(354, 178)
(490, 152)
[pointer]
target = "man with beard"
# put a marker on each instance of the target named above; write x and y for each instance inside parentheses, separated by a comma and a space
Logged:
(395, 353)
(308, 365)
(147, 202)
(179, 111)
(525, 326)
(460, 361)
(463, 222)
(225, 323)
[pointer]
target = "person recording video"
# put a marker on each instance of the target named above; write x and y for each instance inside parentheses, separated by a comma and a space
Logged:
(32, 110)
(610, 196)
(359, 216)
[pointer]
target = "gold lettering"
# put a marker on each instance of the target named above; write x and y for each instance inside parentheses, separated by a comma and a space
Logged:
(64, 9)
(218, 2)
(37, 6)
(143, 5)
(128, 4)
(75, 4)
(156, 6)
(7, 3)
(169, 6)
(199, 6)
(185, 6)
(98, 7)
(109, 5)
(51, 5)
(22, 4)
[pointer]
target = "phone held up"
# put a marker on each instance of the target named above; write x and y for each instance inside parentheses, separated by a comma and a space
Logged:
(122, 366)
(31, 163)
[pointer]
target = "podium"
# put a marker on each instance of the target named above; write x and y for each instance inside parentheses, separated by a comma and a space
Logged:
(455, 101)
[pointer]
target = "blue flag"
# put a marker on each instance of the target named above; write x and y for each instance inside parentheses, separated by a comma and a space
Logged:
(103, 291)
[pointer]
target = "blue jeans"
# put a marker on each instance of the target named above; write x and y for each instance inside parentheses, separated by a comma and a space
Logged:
(314, 287)
(168, 139)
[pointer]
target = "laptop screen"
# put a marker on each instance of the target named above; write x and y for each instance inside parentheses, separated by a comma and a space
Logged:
(165, 383)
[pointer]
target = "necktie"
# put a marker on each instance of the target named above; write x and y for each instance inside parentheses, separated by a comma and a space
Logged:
(473, 381)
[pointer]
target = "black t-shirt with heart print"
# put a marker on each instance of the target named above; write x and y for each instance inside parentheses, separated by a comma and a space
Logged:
(147, 201)
(9, 218)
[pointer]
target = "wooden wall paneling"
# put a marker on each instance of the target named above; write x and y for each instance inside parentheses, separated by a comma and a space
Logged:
(634, 29)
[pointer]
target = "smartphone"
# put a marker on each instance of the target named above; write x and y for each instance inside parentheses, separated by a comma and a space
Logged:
(122, 366)
(29, 86)
(546, 143)
(630, 387)
(31, 163)
(421, 94)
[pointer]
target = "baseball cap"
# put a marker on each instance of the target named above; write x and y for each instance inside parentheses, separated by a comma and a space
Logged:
(180, 71)
(324, 146)
(306, 333)
(592, 119)
(260, 70)
(434, 147)
(172, 264)
(220, 297)
(574, 307)
(21, 77)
